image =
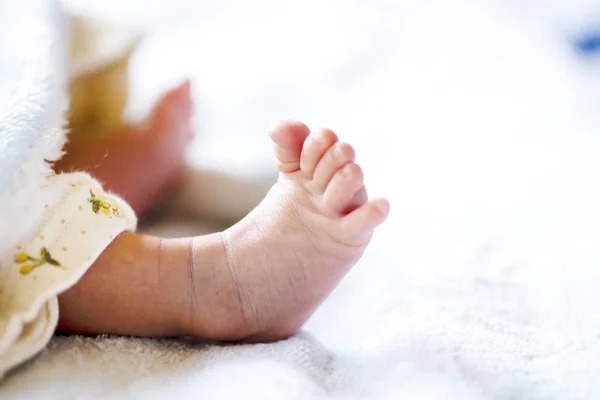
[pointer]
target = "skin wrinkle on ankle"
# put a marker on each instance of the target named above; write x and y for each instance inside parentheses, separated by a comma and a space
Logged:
(191, 272)
(159, 261)
(160, 248)
(234, 278)
(260, 232)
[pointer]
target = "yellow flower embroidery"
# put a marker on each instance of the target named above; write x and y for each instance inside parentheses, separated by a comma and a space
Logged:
(25, 269)
(21, 257)
(100, 205)
(44, 258)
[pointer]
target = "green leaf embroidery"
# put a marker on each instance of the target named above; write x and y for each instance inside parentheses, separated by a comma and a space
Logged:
(44, 253)
(101, 205)
(45, 258)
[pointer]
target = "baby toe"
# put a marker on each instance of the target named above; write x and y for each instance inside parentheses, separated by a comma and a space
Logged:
(345, 191)
(288, 139)
(336, 157)
(313, 150)
(358, 226)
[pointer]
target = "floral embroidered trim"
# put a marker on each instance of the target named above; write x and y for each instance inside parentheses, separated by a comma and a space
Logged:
(101, 205)
(44, 258)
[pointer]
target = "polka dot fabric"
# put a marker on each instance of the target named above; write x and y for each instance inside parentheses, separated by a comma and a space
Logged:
(79, 221)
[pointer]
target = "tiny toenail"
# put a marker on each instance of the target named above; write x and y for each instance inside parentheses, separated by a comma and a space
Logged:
(343, 152)
(275, 126)
(339, 151)
(320, 136)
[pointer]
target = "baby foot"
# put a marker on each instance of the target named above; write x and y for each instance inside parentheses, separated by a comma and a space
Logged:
(293, 249)
(141, 161)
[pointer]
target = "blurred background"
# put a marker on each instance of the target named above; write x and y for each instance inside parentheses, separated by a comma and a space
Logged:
(417, 85)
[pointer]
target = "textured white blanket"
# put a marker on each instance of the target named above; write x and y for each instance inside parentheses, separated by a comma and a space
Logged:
(481, 126)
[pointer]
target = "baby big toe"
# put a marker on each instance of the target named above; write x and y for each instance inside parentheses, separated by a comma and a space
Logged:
(288, 139)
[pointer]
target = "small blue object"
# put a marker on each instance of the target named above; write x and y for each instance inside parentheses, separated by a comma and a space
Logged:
(588, 43)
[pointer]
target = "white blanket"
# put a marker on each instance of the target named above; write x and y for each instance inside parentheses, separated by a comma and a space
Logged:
(481, 126)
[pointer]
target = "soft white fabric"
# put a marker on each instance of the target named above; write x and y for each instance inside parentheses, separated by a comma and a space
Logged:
(482, 128)
(33, 79)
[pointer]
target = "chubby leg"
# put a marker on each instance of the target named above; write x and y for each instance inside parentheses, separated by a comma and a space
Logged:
(260, 279)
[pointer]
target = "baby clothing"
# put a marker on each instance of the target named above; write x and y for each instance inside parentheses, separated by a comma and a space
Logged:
(52, 227)
(79, 221)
